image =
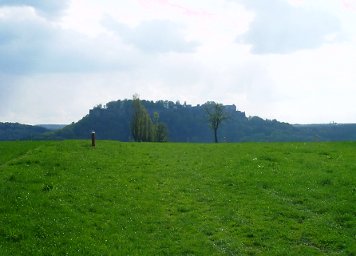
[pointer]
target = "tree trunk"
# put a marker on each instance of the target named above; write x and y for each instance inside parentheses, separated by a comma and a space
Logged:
(216, 135)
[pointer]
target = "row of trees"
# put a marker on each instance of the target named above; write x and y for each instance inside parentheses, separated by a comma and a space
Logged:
(143, 129)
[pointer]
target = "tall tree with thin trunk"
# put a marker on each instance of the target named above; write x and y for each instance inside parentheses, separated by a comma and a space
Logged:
(141, 125)
(216, 115)
(160, 129)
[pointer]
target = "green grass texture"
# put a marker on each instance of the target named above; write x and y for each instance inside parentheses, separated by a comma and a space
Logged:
(68, 198)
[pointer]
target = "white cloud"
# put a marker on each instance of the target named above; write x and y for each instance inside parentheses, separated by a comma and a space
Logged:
(155, 36)
(31, 44)
(55, 70)
(280, 27)
(316, 86)
(47, 8)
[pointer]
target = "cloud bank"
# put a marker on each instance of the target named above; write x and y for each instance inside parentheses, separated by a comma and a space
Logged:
(154, 36)
(282, 28)
(31, 45)
(281, 59)
(47, 8)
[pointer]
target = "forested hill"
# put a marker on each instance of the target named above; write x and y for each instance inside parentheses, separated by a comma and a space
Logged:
(185, 123)
(16, 131)
(188, 123)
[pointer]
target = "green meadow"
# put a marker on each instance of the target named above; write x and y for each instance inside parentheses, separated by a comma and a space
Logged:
(67, 198)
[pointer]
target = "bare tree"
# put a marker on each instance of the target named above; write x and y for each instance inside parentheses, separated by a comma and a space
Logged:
(216, 115)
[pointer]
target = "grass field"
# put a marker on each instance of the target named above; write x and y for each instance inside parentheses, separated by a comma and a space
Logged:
(66, 198)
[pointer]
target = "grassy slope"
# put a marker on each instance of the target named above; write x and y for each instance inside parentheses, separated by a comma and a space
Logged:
(59, 198)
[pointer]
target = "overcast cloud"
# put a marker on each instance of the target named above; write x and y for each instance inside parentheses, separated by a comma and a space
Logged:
(47, 8)
(280, 27)
(290, 60)
(154, 36)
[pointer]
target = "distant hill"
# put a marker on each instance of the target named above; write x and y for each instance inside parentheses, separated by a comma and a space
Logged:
(329, 132)
(16, 131)
(52, 127)
(188, 123)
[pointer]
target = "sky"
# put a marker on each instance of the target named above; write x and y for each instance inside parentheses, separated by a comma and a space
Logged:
(290, 60)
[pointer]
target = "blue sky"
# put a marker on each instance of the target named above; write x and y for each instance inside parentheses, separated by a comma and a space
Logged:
(290, 60)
